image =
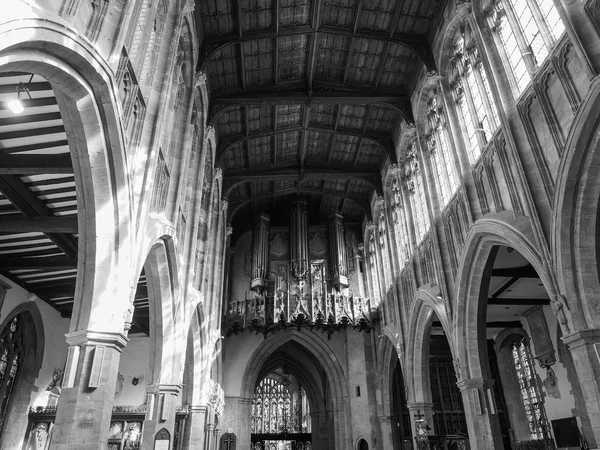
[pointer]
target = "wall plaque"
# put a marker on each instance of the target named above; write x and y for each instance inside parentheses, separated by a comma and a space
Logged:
(162, 440)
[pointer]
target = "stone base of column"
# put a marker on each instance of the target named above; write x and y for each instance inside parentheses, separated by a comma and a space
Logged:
(585, 350)
(85, 405)
(161, 406)
(193, 436)
(482, 419)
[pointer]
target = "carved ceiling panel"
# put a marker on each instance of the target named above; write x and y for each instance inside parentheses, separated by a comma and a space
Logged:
(259, 118)
(260, 150)
(332, 56)
(336, 185)
(224, 69)
(376, 15)
(370, 153)
(257, 15)
(288, 115)
(350, 209)
(383, 120)
(329, 205)
(230, 123)
(359, 187)
(236, 157)
(284, 185)
(352, 116)
(287, 147)
(218, 17)
(323, 115)
(261, 187)
(400, 67)
(258, 62)
(292, 57)
(364, 61)
(339, 14)
(319, 143)
(344, 149)
(416, 16)
(294, 12)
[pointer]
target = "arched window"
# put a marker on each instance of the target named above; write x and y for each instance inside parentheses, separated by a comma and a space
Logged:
(11, 357)
(527, 30)
(439, 147)
(383, 247)
(362, 445)
(530, 390)
(416, 188)
(472, 94)
(400, 223)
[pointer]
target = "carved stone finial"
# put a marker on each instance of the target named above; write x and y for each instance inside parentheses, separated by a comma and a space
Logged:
(229, 230)
(218, 172)
(209, 132)
(224, 205)
(558, 308)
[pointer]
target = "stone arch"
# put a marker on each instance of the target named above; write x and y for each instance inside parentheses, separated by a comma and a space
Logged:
(427, 301)
(461, 13)
(195, 382)
(469, 314)
(317, 347)
(163, 292)
(575, 243)
(89, 106)
(34, 342)
(387, 354)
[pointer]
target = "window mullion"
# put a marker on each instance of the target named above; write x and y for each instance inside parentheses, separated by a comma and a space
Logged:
(542, 25)
(479, 133)
(524, 47)
(485, 95)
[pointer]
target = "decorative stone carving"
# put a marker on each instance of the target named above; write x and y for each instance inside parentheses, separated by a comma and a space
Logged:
(216, 397)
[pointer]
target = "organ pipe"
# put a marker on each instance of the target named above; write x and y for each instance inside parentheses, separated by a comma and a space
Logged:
(260, 254)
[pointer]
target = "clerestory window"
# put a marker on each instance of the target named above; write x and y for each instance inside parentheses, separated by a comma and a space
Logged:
(473, 95)
(416, 188)
(400, 224)
(527, 30)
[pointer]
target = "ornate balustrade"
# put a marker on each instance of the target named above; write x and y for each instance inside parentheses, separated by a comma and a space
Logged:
(328, 313)
(125, 431)
(450, 442)
(534, 444)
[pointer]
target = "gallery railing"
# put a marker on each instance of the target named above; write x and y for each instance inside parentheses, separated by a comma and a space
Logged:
(533, 444)
(126, 426)
(449, 442)
(327, 313)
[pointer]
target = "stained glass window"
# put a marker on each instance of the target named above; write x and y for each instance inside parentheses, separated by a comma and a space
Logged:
(530, 390)
(11, 350)
(279, 406)
(526, 30)
(400, 224)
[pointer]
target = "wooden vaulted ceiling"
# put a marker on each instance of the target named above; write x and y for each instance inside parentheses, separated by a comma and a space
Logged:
(306, 96)
(38, 198)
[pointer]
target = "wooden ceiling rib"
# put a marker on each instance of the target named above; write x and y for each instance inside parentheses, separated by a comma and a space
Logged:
(310, 91)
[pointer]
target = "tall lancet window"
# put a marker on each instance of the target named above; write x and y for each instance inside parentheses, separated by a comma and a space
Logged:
(11, 357)
(441, 156)
(416, 189)
(383, 241)
(400, 223)
(473, 95)
(530, 391)
(526, 30)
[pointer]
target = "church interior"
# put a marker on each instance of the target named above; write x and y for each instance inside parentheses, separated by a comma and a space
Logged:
(300, 225)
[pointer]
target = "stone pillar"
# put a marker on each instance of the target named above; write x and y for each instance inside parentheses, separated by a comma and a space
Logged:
(481, 414)
(193, 437)
(319, 430)
(338, 258)
(209, 436)
(85, 405)
(585, 350)
(260, 253)
(387, 439)
(237, 418)
(421, 411)
(160, 412)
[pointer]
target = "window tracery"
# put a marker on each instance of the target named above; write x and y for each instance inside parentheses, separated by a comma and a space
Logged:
(530, 391)
(527, 30)
(473, 95)
(439, 147)
(416, 189)
(400, 224)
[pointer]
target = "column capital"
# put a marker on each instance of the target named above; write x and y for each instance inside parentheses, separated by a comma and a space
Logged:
(423, 406)
(90, 337)
(163, 388)
(475, 383)
(582, 337)
(197, 409)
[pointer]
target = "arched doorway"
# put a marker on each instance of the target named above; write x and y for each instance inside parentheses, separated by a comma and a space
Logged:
(401, 428)
(362, 445)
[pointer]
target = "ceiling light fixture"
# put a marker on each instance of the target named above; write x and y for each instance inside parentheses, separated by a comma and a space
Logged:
(16, 106)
